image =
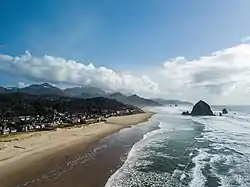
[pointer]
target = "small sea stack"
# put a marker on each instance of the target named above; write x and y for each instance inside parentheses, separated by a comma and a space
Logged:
(201, 109)
(224, 111)
(185, 113)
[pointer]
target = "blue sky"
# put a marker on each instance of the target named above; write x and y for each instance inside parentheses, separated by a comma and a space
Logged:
(120, 35)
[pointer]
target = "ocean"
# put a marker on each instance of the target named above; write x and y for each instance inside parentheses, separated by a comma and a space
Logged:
(190, 151)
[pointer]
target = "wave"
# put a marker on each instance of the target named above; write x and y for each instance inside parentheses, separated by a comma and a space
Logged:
(229, 152)
(127, 174)
(198, 177)
(188, 151)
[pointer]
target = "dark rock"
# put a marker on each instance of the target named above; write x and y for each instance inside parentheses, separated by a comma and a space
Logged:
(201, 109)
(175, 105)
(224, 111)
(220, 114)
(185, 113)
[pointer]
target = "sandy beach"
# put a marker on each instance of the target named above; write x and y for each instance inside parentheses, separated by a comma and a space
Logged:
(34, 151)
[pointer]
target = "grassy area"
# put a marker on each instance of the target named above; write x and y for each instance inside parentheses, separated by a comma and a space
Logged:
(18, 136)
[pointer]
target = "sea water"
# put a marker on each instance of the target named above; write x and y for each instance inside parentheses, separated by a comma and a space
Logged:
(190, 151)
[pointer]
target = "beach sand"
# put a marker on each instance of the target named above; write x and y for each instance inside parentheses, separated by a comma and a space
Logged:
(22, 159)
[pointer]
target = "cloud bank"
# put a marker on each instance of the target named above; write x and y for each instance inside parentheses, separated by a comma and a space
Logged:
(222, 77)
(222, 74)
(58, 70)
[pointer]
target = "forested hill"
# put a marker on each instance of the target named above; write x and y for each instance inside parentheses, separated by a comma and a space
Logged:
(23, 104)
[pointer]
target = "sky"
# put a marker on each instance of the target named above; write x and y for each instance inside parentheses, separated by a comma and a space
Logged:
(188, 50)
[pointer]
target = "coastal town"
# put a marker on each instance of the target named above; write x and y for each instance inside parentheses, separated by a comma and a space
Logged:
(56, 120)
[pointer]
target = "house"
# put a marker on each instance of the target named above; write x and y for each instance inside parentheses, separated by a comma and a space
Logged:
(24, 118)
(37, 127)
(30, 127)
(5, 131)
(42, 126)
(58, 122)
(76, 120)
(25, 128)
(107, 115)
(13, 130)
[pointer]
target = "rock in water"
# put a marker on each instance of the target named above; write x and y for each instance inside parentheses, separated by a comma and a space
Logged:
(201, 109)
(185, 113)
(224, 111)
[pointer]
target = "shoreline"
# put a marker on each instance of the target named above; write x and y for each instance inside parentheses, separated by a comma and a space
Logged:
(51, 148)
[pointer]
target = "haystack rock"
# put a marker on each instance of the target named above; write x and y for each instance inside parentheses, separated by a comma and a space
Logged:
(201, 109)
(224, 111)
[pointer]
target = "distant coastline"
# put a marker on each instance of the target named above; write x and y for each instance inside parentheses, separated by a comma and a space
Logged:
(44, 148)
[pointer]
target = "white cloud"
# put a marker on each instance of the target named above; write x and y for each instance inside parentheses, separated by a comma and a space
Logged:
(220, 75)
(245, 39)
(59, 70)
(22, 85)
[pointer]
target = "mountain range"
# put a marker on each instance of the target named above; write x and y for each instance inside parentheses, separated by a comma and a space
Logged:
(89, 92)
(3, 90)
(84, 92)
(172, 102)
(133, 100)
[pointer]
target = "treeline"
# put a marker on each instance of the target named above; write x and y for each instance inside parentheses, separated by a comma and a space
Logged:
(22, 104)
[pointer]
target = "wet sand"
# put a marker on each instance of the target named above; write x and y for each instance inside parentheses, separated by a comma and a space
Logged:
(55, 166)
